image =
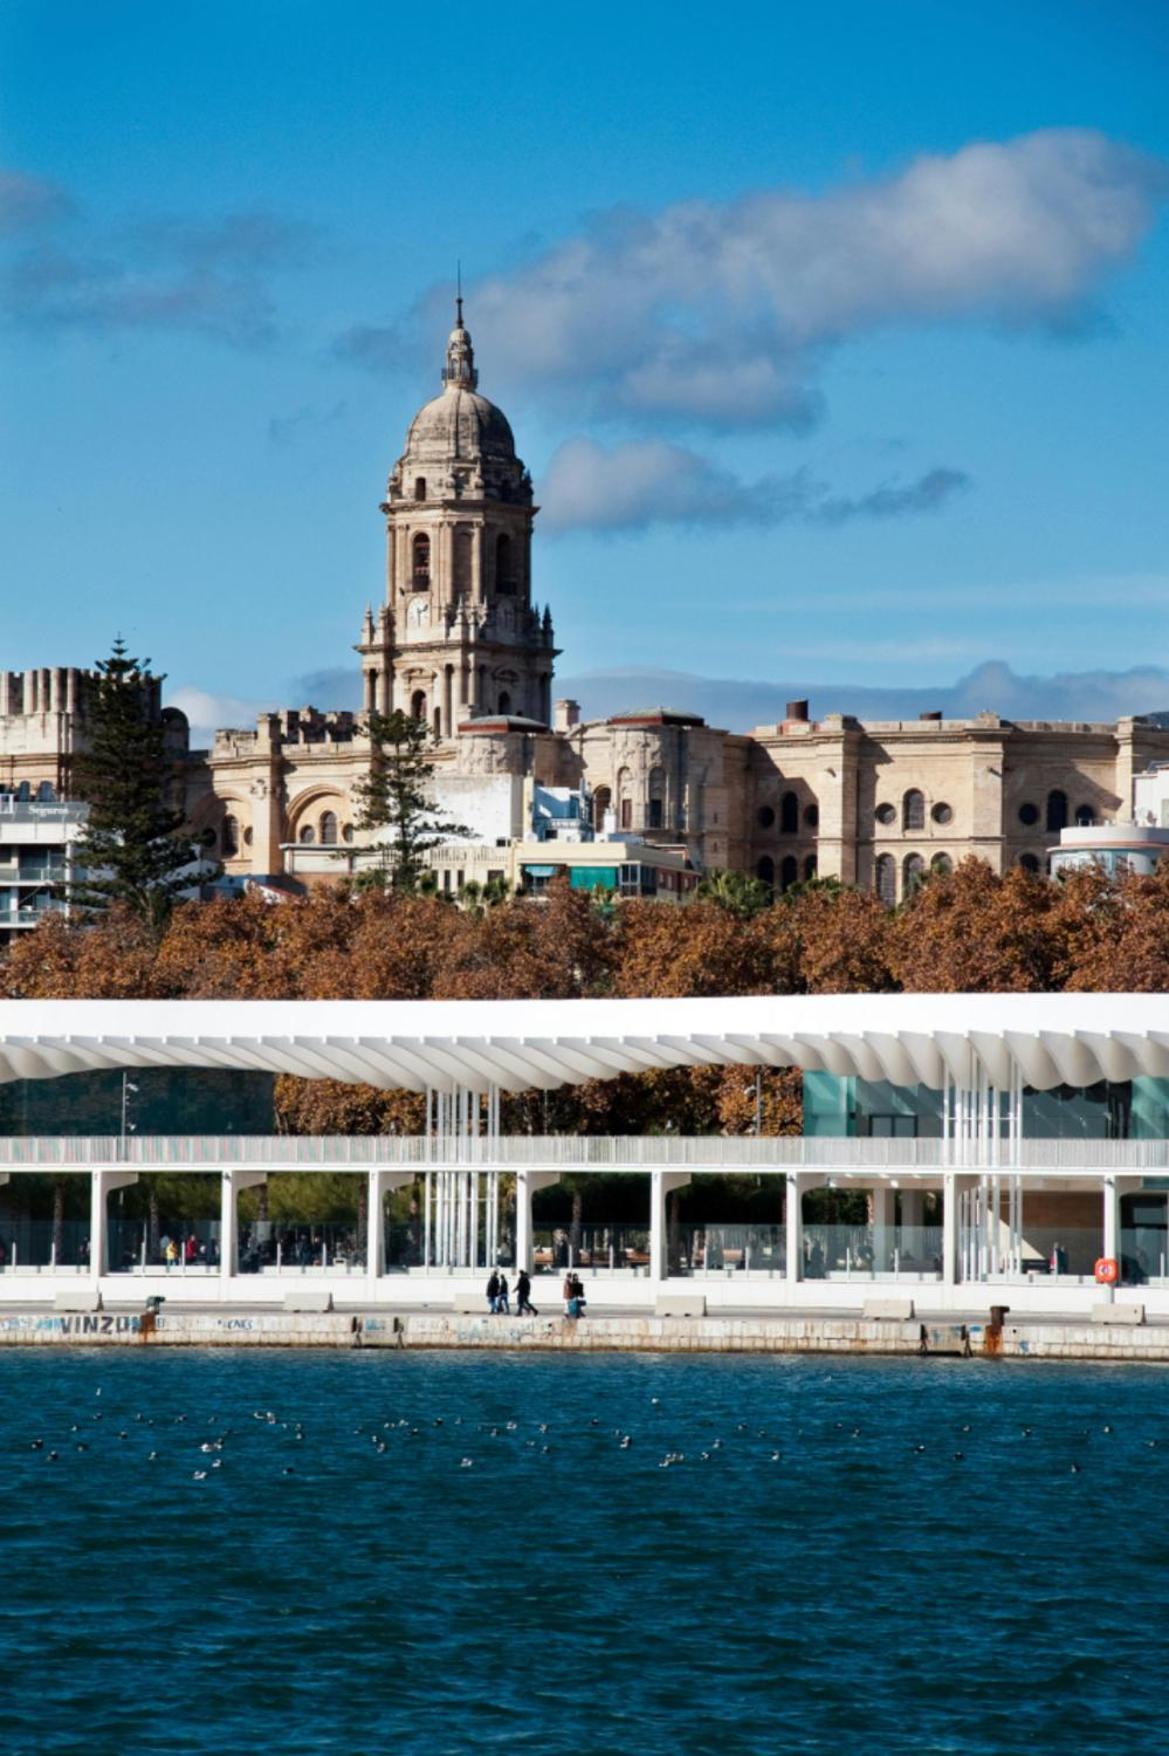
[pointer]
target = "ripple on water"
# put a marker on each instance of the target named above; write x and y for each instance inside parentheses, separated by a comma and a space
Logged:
(871, 1556)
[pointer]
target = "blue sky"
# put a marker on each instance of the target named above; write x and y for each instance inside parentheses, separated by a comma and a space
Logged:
(835, 338)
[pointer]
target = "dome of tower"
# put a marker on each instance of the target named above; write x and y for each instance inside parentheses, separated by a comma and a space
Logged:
(459, 443)
(460, 425)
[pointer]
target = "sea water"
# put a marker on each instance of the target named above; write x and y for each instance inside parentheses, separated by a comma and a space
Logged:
(579, 1555)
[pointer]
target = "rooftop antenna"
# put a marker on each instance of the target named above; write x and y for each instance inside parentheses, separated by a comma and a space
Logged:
(459, 292)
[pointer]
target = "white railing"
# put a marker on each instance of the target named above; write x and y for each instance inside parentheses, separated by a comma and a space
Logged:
(214, 1152)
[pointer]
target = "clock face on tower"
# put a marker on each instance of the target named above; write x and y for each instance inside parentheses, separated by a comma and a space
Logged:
(418, 613)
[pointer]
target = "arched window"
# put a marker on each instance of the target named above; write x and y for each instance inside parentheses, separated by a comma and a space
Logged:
(912, 874)
(657, 791)
(1029, 863)
(504, 581)
(307, 835)
(913, 810)
(420, 487)
(229, 837)
(464, 550)
(602, 802)
(812, 816)
(885, 879)
(789, 814)
(421, 567)
(347, 832)
(1085, 816)
(1057, 812)
(766, 817)
(809, 868)
(789, 872)
(418, 704)
(329, 828)
(504, 701)
(942, 864)
(765, 870)
(23, 793)
(46, 793)
(625, 799)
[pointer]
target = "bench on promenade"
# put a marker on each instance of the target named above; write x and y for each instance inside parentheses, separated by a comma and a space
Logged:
(887, 1311)
(680, 1305)
(309, 1299)
(1126, 1314)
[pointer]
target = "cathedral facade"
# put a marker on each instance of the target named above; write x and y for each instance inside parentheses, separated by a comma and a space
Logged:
(459, 641)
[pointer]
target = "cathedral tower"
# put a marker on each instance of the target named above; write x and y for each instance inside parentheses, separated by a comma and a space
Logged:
(459, 637)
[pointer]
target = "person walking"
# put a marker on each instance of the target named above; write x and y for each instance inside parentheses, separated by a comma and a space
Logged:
(493, 1293)
(503, 1305)
(571, 1308)
(523, 1295)
(578, 1294)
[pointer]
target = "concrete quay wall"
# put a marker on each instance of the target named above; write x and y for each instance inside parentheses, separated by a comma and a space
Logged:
(1070, 1340)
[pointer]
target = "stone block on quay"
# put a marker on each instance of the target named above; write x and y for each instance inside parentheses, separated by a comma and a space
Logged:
(1130, 1314)
(79, 1299)
(687, 1304)
(309, 1299)
(887, 1311)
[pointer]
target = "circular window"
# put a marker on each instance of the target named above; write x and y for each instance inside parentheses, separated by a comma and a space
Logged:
(308, 835)
(766, 817)
(886, 813)
(942, 813)
(1029, 814)
(812, 816)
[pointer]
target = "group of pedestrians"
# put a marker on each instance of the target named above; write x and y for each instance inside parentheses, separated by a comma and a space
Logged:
(499, 1295)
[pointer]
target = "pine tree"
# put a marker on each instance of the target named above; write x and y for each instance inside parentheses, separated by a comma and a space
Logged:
(131, 851)
(397, 798)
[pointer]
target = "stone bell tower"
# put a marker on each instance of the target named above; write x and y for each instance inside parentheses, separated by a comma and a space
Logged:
(459, 637)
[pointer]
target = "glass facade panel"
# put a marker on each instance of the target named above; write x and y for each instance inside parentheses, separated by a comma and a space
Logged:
(851, 1108)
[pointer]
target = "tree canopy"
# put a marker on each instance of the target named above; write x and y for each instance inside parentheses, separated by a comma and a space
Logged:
(132, 852)
(396, 801)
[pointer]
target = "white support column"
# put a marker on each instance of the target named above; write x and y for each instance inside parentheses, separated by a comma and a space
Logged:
(380, 1185)
(1111, 1219)
(101, 1186)
(233, 1182)
(951, 1193)
(526, 1184)
(661, 1183)
(793, 1217)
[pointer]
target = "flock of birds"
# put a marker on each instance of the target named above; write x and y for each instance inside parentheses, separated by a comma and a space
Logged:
(209, 1454)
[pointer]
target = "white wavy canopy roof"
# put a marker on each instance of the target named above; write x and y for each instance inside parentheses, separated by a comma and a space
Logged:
(908, 1039)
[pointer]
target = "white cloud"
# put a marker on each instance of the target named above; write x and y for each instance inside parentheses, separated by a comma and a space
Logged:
(205, 274)
(207, 713)
(652, 482)
(721, 311)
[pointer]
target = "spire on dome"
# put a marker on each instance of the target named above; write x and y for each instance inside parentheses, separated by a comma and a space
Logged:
(459, 370)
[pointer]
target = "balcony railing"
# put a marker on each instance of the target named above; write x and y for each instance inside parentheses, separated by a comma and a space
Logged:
(582, 1152)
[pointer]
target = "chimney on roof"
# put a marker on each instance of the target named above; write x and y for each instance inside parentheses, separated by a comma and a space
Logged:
(933, 714)
(566, 714)
(796, 710)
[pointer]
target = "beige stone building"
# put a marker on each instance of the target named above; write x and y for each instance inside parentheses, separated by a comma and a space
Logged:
(459, 641)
